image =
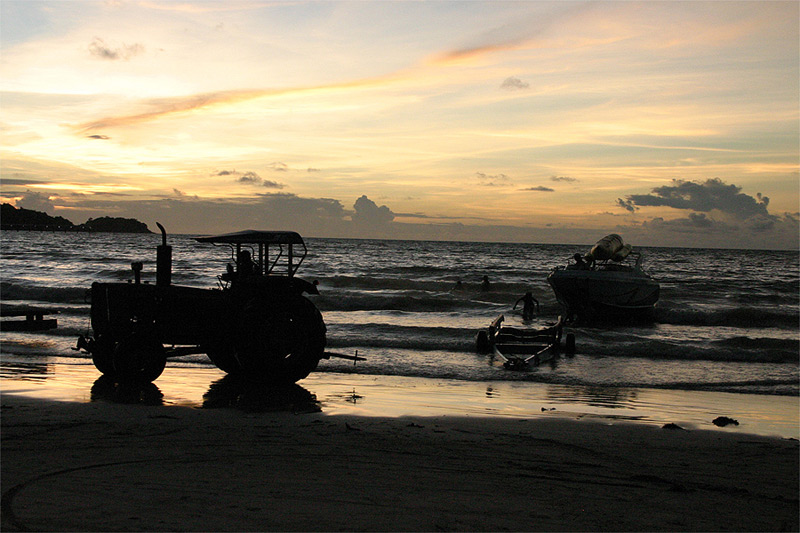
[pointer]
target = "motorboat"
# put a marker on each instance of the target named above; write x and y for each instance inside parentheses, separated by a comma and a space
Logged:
(609, 282)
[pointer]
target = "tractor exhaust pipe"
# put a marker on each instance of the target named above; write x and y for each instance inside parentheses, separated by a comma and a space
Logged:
(163, 260)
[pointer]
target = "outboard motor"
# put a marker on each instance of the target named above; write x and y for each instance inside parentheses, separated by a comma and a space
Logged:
(163, 260)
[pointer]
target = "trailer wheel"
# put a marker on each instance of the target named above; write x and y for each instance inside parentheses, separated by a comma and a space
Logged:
(570, 344)
(282, 344)
(482, 342)
(139, 358)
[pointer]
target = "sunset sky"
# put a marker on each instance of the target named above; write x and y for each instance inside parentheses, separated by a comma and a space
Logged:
(671, 123)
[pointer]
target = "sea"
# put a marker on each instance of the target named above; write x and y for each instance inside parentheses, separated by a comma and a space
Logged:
(726, 321)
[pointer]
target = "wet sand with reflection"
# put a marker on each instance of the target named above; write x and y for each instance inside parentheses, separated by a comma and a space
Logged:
(198, 451)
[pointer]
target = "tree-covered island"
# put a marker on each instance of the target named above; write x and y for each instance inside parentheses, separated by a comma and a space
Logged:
(13, 218)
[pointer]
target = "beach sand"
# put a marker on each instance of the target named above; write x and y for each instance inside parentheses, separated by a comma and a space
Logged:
(149, 465)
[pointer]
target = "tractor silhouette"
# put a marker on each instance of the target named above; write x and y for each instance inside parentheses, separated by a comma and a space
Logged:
(257, 323)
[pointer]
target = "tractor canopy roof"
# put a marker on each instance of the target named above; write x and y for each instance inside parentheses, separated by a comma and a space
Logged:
(255, 237)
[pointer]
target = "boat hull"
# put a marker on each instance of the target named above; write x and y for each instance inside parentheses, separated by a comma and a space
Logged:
(599, 294)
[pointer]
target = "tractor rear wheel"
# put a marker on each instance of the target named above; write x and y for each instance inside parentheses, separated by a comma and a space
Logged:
(281, 344)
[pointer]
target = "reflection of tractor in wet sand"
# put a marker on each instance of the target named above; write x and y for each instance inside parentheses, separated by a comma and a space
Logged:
(256, 324)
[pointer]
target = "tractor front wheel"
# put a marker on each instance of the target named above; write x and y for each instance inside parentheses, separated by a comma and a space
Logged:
(223, 354)
(139, 358)
(102, 350)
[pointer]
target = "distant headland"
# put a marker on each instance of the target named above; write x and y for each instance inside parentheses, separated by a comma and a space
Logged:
(12, 218)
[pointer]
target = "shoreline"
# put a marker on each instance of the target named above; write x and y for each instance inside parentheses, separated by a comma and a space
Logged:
(334, 393)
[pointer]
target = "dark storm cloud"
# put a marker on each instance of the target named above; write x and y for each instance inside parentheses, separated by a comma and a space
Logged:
(189, 214)
(513, 84)
(713, 194)
(36, 201)
(690, 224)
(761, 223)
(367, 212)
(286, 204)
(699, 220)
(423, 216)
(760, 231)
(20, 181)
(417, 215)
(99, 49)
(498, 180)
(177, 193)
(250, 177)
(719, 215)
(627, 205)
(539, 188)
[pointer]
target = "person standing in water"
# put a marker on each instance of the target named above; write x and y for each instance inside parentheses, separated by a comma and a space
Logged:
(530, 306)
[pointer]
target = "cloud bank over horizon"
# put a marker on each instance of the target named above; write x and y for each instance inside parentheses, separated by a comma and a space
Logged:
(718, 215)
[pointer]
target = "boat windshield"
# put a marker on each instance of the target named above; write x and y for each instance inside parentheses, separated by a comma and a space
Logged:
(632, 263)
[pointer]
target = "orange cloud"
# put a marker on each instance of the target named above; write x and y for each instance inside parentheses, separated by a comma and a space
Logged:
(171, 106)
(466, 55)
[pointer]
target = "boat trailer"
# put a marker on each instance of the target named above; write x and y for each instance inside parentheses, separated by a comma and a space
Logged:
(520, 347)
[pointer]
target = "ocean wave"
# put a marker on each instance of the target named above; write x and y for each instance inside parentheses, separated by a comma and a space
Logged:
(416, 302)
(427, 345)
(39, 293)
(760, 343)
(785, 387)
(720, 351)
(742, 317)
(444, 285)
(388, 283)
